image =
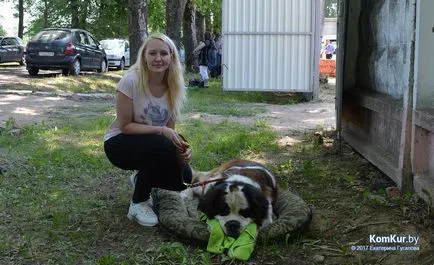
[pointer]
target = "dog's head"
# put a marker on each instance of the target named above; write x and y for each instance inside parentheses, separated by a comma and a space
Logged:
(235, 205)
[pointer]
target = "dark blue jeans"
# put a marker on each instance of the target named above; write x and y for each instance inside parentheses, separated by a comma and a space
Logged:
(156, 159)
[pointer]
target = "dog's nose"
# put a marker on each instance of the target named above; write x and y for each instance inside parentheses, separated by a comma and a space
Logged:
(233, 228)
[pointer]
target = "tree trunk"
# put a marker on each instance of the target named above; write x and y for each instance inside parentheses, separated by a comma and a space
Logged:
(83, 14)
(46, 14)
(137, 24)
(189, 36)
(200, 26)
(174, 16)
(20, 18)
(75, 21)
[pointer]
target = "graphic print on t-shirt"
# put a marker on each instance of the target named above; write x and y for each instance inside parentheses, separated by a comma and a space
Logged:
(154, 114)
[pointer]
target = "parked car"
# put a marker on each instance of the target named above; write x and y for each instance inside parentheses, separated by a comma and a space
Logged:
(118, 52)
(12, 49)
(70, 50)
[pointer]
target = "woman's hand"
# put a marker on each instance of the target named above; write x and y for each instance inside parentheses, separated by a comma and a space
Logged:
(173, 136)
(183, 147)
(185, 156)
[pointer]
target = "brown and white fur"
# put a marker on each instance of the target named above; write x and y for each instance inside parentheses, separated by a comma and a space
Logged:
(237, 193)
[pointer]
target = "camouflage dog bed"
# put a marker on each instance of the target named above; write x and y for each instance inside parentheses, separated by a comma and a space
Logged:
(182, 219)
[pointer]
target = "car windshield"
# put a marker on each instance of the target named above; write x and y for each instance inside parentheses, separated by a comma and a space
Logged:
(111, 44)
(50, 35)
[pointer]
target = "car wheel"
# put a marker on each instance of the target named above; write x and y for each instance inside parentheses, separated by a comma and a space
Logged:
(75, 68)
(33, 70)
(122, 64)
(103, 67)
(23, 59)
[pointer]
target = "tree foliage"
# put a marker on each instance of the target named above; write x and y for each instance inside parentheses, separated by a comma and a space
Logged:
(212, 11)
(2, 31)
(110, 18)
(103, 18)
(157, 16)
(331, 8)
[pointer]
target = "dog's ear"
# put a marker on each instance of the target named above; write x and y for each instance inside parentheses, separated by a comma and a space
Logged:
(213, 202)
(258, 204)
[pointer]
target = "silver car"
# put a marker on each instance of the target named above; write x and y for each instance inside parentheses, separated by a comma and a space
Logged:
(118, 52)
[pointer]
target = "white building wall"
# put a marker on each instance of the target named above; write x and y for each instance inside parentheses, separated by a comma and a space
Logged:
(269, 45)
(329, 30)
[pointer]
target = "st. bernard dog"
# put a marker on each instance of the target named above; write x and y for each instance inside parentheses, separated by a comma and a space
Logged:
(237, 193)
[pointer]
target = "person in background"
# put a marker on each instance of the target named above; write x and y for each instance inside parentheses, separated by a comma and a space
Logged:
(329, 49)
(217, 70)
(204, 50)
(143, 136)
(219, 47)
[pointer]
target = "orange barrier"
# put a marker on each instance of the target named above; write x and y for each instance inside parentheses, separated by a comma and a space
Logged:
(327, 67)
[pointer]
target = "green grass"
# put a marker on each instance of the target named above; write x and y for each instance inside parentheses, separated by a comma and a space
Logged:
(213, 144)
(214, 100)
(61, 196)
(214, 93)
(62, 202)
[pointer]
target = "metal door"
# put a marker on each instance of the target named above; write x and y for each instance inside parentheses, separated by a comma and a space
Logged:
(85, 52)
(271, 45)
(96, 52)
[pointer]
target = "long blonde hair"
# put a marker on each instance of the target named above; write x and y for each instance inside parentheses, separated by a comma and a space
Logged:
(174, 74)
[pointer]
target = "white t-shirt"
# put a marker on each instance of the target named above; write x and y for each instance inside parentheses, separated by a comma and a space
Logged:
(147, 109)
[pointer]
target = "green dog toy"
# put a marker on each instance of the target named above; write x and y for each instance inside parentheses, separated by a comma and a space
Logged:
(240, 248)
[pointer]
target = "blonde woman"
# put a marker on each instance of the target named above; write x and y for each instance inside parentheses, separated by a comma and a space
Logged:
(143, 135)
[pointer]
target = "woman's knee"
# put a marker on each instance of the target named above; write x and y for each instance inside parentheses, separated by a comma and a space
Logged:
(166, 147)
(117, 158)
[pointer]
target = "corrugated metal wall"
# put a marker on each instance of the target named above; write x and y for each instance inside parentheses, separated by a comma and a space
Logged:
(269, 45)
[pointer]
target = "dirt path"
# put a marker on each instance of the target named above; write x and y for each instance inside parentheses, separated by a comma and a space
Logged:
(25, 107)
(285, 119)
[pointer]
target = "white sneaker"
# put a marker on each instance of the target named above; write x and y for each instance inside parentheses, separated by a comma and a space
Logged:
(142, 214)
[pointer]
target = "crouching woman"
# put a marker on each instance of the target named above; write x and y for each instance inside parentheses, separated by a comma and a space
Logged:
(143, 135)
